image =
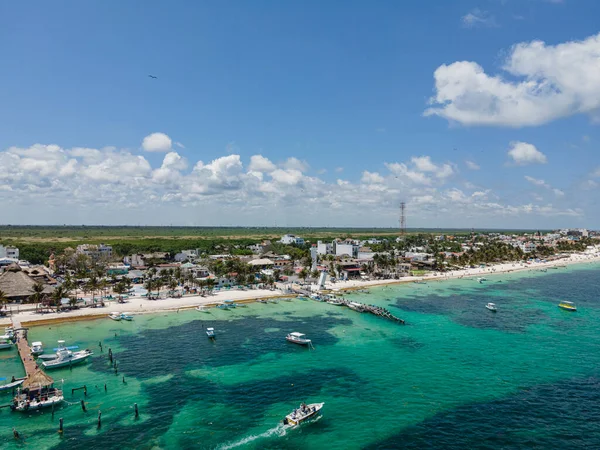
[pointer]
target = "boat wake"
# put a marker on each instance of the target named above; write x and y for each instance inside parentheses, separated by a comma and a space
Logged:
(280, 430)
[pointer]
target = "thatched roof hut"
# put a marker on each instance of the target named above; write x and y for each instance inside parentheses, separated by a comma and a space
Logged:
(17, 285)
(38, 380)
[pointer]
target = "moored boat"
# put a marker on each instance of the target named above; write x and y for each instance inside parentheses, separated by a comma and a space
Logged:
(12, 384)
(37, 393)
(6, 342)
(491, 307)
(303, 413)
(210, 332)
(298, 338)
(567, 306)
(115, 316)
(126, 316)
(65, 357)
(37, 348)
(202, 308)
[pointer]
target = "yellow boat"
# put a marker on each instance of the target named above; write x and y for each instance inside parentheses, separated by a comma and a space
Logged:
(569, 306)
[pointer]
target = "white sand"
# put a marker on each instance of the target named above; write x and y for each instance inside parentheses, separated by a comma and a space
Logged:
(141, 305)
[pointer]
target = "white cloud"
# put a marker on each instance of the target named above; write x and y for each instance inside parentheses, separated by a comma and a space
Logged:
(472, 165)
(553, 81)
(478, 18)
(259, 163)
(523, 153)
(371, 177)
(295, 164)
(596, 173)
(179, 144)
(109, 185)
(542, 183)
(157, 142)
(339, 169)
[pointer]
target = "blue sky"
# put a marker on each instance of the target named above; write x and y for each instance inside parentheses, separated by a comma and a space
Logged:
(301, 113)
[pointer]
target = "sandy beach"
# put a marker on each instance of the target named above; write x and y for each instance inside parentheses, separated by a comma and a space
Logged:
(141, 305)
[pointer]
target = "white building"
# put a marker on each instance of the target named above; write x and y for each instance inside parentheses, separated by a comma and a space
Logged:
(527, 247)
(324, 248)
(342, 249)
(291, 239)
(100, 251)
(189, 255)
(9, 252)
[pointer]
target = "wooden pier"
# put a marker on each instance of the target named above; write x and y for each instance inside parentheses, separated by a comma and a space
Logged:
(24, 351)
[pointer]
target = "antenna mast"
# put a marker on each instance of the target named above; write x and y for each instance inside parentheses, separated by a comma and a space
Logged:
(402, 219)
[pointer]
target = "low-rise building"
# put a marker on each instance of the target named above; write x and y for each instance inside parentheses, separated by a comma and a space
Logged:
(324, 248)
(9, 252)
(290, 239)
(100, 251)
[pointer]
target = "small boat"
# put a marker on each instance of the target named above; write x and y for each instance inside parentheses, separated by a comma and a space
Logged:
(481, 280)
(9, 386)
(302, 297)
(126, 316)
(568, 306)
(10, 332)
(65, 357)
(6, 342)
(37, 392)
(297, 338)
(37, 348)
(260, 300)
(335, 302)
(210, 332)
(202, 308)
(115, 316)
(230, 303)
(223, 306)
(491, 307)
(303, 413)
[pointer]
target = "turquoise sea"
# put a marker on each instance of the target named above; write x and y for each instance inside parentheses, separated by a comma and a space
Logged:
(456, 376)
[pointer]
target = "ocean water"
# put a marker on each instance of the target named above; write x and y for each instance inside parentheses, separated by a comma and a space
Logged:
(456, 376)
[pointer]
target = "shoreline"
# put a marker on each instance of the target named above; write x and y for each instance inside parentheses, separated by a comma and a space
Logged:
(140, 305)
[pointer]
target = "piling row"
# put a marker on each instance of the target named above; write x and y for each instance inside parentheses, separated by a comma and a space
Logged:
(373, 309)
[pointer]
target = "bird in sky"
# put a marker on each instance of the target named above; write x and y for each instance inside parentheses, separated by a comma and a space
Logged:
(152, 76)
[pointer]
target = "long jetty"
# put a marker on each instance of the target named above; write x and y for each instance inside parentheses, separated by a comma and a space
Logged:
(373, 309)
(24, 350)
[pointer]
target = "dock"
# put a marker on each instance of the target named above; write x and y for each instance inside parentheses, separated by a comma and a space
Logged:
(24, 351)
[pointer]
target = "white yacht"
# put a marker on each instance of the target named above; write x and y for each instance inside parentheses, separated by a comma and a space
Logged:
(6, 342)
(37, 348)
(203, 308)
(298, 338)
(303, 413)
(115, 315)
(37, 392)
(491, 307)
(65, 357)
(210, 332)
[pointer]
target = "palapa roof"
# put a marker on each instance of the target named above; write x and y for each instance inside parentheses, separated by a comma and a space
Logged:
(37, 380)
(16, 284)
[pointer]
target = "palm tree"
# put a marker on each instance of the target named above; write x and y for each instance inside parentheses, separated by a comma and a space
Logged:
(38, 293)
(173, 284)
(3, 298)
(92, 286)
(149, 285)
(58, 294)
(303, 274)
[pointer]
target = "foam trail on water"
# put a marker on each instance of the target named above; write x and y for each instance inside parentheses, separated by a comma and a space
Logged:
(279, 430)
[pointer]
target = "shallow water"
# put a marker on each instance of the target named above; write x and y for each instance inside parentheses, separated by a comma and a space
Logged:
(456, 376)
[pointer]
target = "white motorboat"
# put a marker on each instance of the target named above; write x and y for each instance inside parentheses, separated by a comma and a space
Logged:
(202, 308)
(13, 384)
(297, 338)
(481, 280)
(115, 315)
(10, 332)
(210, 332)
(37, 392)
(491, 307)
(6, 342)
(65, 357)
(335, 302)
(303, 413)
(126, 316)
(37, 348)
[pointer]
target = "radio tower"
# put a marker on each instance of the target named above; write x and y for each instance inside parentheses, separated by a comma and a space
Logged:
(402, 219)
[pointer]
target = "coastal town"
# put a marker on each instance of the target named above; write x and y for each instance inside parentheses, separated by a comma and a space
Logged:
(85, 280)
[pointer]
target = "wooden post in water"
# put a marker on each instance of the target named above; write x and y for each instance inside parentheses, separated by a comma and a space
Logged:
(99, 419)
(137, 414)
(60, 425)
(110, 355)
(105, 390)
(83, 405)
